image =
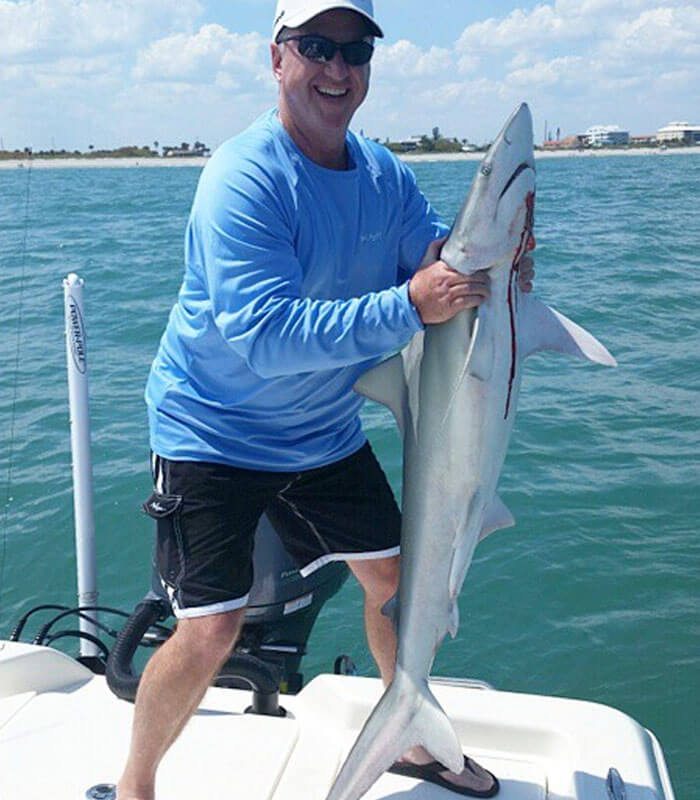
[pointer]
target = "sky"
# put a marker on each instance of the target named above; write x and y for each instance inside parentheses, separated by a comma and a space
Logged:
(75, 73)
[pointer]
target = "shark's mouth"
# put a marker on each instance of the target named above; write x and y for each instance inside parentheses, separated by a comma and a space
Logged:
(519, 169)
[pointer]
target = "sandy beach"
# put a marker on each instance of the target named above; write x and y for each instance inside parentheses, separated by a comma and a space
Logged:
(133, 163)
(602, 152)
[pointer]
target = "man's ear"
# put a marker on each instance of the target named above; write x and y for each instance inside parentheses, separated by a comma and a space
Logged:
(276, 57)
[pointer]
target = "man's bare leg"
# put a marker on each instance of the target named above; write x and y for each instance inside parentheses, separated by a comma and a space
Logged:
(379, 579)
(171, 688)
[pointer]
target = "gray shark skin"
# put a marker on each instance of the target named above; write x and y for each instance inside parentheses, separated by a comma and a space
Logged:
(454, 392)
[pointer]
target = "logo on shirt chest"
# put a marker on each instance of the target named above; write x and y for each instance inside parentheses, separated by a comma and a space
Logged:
(368, 238)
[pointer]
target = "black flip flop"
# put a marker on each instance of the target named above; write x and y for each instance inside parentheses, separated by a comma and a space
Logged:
(482, 782)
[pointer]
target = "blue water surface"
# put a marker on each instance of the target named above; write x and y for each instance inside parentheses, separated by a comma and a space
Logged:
(594, 594)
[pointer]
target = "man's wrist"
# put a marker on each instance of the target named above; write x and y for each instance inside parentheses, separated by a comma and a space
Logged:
(412, 305)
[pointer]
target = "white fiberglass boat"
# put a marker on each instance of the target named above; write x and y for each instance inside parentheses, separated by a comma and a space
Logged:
(64, 736)
(65, 721)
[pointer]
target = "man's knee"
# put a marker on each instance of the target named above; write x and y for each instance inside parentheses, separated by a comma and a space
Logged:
(378, 577)
(212, 636)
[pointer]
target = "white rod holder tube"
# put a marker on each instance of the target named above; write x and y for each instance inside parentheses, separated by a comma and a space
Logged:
(76, 352)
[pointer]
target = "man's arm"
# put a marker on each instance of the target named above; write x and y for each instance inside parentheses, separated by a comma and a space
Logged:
(241, 239)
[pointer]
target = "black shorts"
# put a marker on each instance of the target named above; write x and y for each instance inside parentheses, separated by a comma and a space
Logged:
(207, 514)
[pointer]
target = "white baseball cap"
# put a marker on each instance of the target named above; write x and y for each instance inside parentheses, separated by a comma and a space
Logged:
(293, 13)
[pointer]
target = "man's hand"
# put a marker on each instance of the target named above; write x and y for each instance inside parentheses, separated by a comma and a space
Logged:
(526, 268)
(439, 292)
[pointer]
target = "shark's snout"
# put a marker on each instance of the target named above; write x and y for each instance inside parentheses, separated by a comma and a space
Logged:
(519, 125)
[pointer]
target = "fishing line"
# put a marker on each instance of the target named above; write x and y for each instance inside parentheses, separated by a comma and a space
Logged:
(15, 384)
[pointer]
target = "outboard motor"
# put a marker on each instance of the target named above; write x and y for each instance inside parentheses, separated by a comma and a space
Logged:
(282, 609)
(283, 606)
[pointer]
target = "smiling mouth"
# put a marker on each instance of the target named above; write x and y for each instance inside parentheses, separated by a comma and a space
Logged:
(327, 92)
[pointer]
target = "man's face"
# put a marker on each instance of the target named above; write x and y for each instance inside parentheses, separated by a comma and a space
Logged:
(321, 98)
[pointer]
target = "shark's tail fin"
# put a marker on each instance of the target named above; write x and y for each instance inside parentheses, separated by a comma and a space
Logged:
(403, 718)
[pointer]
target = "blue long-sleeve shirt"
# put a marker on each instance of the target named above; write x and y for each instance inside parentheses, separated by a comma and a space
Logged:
(294, 285)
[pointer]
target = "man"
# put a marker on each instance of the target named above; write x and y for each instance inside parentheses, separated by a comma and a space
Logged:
(299, 249)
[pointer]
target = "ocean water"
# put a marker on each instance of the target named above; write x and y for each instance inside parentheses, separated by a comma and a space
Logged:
(595, 594)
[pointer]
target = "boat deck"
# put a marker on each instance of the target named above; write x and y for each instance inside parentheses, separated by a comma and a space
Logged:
(62, 732)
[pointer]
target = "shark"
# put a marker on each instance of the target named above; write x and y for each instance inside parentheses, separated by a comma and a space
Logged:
(453, 392)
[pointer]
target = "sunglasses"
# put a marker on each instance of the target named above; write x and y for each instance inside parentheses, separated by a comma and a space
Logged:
(321, 50)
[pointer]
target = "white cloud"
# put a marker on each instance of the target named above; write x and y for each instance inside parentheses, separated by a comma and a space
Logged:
(143, 68)
(38, 30)
(211, 54)
(669, 32)
(571, 59)
(638, 25)
(518, 30)
(406, 60)
(548, 73)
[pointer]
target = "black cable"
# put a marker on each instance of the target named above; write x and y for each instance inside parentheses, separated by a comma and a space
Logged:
(80, 635)
(19, 627)
(40, 638)
(41, 635)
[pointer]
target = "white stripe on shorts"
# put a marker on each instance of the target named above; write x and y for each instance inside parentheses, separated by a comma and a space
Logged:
(205, 611)
(367, 556)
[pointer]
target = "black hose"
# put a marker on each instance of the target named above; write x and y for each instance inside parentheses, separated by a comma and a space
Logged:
(260, 677)
(121, 679)
(250, 670)
(120, 672)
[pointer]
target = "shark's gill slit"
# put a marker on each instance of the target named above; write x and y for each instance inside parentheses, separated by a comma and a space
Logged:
(521, 168)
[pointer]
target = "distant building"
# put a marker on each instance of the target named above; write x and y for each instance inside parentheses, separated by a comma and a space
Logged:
(567, 143)
(410, 144)
(644, 140)
(680, 132)
(606, 135)
(198, 150)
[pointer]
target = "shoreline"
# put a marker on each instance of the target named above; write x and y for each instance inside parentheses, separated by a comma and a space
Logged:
(101, 163)
(543, 154)
(134, 163)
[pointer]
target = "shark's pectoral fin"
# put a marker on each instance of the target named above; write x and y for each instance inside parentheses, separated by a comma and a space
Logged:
(497, 516)
(543, 328)
(394, 383)
(390, 609)
(386, 384)
(453, 618)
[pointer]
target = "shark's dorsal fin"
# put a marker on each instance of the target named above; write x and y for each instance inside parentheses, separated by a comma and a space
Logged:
(543, 328)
